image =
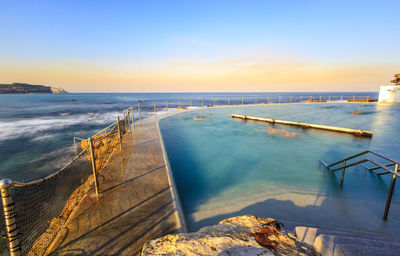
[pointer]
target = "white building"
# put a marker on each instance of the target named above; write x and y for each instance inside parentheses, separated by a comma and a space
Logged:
(390, 93)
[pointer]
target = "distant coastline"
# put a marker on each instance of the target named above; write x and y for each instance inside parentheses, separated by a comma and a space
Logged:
(22, 88)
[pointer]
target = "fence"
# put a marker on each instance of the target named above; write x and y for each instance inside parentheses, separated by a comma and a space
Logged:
(33, 212)
(166, 105)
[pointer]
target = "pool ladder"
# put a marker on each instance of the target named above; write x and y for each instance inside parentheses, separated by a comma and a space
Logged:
(386, 170)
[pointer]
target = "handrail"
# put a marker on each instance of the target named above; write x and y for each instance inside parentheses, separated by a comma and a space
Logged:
(394, 172)
(359, 154)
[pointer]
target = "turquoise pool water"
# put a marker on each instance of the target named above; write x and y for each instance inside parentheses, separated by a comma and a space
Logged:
(226, 167)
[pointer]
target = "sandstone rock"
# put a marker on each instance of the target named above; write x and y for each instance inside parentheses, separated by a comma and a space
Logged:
(243, 235)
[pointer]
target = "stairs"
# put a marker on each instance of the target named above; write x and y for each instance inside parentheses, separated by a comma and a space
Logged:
(347, 242)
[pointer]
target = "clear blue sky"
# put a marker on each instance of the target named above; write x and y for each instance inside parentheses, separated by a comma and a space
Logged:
(144, 35)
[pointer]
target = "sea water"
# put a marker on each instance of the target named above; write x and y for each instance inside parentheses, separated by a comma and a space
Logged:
(226, 167)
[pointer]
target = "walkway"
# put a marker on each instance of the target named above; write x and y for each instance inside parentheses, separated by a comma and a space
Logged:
(135, 204)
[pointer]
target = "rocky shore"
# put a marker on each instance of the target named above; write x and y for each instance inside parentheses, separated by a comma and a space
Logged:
(242, 235)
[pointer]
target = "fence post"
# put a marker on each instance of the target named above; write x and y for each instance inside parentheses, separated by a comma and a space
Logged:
(9, 218)
(242, 100)
(341, 99)
(133, 120)
(140, 121)
(267, 99)
(96, 185)
(214, 101)
(155, 112)
(76, 148)
(389, 198)
(290, 99)
(128, 118)
(119, 133)
(228, 101)
(202, 102)
(301, 99)
(329, 99)
(320, 98)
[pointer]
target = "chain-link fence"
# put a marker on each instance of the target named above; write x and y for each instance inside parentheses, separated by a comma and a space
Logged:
(32, 213)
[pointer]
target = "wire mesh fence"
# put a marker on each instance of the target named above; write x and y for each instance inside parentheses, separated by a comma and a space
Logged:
(40, 207)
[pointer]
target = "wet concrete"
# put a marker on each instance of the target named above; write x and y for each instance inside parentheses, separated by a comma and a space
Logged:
(135, 205)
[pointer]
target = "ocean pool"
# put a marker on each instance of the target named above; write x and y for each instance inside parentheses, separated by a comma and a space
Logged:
(227, 167)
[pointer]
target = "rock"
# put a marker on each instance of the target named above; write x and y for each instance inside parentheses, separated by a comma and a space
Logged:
(243, 235)
(281, 132)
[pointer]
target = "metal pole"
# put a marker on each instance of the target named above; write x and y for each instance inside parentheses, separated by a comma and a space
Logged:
(389, 198)
(125, 123)
(155, 112)
(202, 102)
(214, 101)
(343, 170)
(119, 133)
(242, 100)
(140, 121)
(228, 100)
(128, 117)
(268, 100)
(76, 148)
(329, 98)
(341, 99)
(133, 120)
(9, 218)
(320, 98)
(290, 99)
(96, 184)
(301, 99)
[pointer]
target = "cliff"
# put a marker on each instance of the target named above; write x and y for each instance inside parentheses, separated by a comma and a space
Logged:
(28, 88)
(243, 235)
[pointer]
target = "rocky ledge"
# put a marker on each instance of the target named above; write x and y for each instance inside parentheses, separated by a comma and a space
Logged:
(243, 235)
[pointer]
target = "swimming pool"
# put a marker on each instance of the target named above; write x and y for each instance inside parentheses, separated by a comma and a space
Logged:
(227, 167)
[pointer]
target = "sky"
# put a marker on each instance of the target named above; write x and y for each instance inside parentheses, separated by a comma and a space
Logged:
(200, 46)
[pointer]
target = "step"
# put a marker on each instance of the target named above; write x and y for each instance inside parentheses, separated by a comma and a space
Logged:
(330, 245)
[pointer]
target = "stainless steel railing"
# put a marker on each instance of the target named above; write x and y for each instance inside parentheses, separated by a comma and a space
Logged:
(377, 165)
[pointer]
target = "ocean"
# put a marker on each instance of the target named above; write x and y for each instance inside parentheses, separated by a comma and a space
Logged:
(37, 130)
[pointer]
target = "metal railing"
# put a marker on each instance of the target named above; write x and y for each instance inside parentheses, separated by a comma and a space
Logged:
(377, 165)
(30, 210)
(153, 107)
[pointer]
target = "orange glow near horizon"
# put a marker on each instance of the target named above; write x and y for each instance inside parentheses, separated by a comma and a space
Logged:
(230, 75)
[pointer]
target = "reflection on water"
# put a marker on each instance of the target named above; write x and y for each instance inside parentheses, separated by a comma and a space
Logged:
(227, 166)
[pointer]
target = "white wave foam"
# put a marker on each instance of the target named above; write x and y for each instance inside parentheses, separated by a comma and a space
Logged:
(33, 127)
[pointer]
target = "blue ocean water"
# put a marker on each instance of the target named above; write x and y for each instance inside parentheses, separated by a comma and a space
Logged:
(36, 130)
(226, 167)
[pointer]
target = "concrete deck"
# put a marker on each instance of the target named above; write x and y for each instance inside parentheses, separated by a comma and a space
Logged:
(136, 203)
